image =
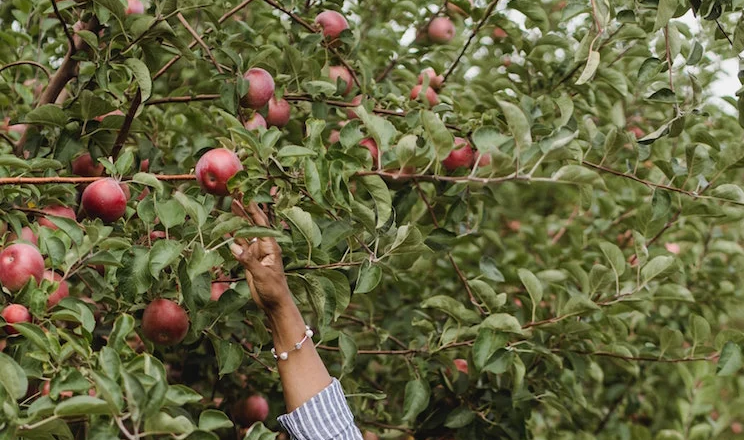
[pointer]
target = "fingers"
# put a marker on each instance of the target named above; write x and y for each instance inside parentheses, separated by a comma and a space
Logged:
(257, 215)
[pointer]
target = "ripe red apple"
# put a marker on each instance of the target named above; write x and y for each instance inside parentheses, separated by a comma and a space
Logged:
(255, 122)
(357, 100)
(215, 169)
(218, 288)
(371, 145)
(165, 322)
(145, 165)
(260, 88)
(279, 112)
(62, 291)
(462, 156)
(431, 95)
(105, 199)
(18, 264)
(135, 7)
(84, 165)
(435, 81)
(340, 72)
(157, 235)
(441, 30)
(13, 313)
(251, 410)
(27, 234)
(484, 159)
(332, 24)
(59, 211)
(461, 365)
(499, 34)
(636, 131)
(369, 435)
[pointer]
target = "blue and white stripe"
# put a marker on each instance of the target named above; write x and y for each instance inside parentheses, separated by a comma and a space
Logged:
(324, 417)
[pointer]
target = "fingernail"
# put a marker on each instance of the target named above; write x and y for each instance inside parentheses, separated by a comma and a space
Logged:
(236, 249)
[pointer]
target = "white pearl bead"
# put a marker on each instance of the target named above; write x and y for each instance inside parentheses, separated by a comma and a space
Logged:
(309, 333)
(298, 346)
(283, 355)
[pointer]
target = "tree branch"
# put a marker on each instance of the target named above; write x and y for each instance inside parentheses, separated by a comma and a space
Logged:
(70, 40)
(30, 63)
(77, 180)
(477, 29)
(198, 39)
(124, 132)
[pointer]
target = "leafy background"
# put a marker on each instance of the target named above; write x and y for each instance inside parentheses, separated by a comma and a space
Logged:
(589, 274)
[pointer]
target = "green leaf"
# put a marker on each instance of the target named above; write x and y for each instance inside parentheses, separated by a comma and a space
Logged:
(47, 114)
(416, 399)
(700, 329)
(163, 254)
(437, 134)
(135, 393)
(664, 13)
(730, 361)
(502, 322)
(615, 257)
(82, 406)
(451, 307)
(489, 270)
(123, 326)
(577, 174)
(110, 391)
(149, 180)
(211, 419)
(459, 418)
(164, 423)
(486, 343)
(533, 286)
(14, 163)
(655, 267)
(171, 213)
(592, 63)
(180, 395)
(381, 195)
(739, 35)
(518, 124)
(348, 348)
(229, 355)
(369, 277)
(12, 377)
(578, 305)
(305, 224)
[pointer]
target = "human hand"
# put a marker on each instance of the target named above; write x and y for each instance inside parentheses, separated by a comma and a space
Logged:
(262, 260)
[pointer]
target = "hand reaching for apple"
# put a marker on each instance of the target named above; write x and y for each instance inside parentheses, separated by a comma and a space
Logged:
(262, 260)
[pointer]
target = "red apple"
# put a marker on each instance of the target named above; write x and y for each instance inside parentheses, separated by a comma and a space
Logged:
(117, 112)
(340, 72)
(157, 235)
(165, 322)
(218, 288)
(371, 145)
(484, 159)
(84, 165)
(499, 34)
(255, 122)
(431, 95)
(357, 100)
(462, 156)
(435, 81)
(62, 291)
(334, 137)
(57, 210)
(251, 410)
(27, 234)
(279, 112)
(260, 88)
(461, 365)
(13, 313)
(18, 264)
(369, 435)
(135, 7)
(441, 30)
(105, 199)
(145, 165)
(215, 169)
(332, 23)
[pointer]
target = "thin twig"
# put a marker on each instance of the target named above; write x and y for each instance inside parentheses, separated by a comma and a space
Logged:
(124, 132)
(477, 29)
(177, 99)
(374, 352)
(198, 39)
(78, 180)
(30, 63)
(70, 40)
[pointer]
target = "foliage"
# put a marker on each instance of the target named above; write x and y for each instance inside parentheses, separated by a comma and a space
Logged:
(589, 274)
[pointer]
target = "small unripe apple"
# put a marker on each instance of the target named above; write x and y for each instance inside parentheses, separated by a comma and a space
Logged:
(332, 24)
(462, 156)
(499, 34)
(431, 95)
(461, 365)
(340, 72)
(215, 169)
(165, 322)
(19, 263)
(441, 30)
(12, 314)
(104, 199)
(218, 288)
(435, 81)
(371, 145)
(255, 122)
(57, 210)
(63, 290)
(135, 7)
(251, 410)
(279, 112)
(356, 101)
(84, 165)
(260, 88)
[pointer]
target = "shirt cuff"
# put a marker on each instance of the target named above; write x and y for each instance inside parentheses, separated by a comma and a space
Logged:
(325, 416)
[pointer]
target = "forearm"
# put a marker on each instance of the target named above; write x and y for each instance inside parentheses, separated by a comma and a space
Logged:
(303, 374)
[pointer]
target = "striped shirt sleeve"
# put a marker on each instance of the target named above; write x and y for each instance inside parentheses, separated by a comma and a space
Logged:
(324, 417)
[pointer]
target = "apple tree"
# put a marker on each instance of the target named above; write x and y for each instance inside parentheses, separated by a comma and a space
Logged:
(503, 219)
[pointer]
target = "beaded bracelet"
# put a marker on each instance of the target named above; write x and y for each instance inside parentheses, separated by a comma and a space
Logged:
(284, 355)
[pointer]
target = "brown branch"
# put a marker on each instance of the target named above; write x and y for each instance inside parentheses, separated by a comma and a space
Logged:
(389, 68)
(477, 29)
(338, 265)
(124, 132)
(176, 99)
(452, 261)
(27, 62)
(639, 180)
(710, 357)
(77, 180)
(374, 352)
(198, 39)
(70, 40)
(193, 43)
